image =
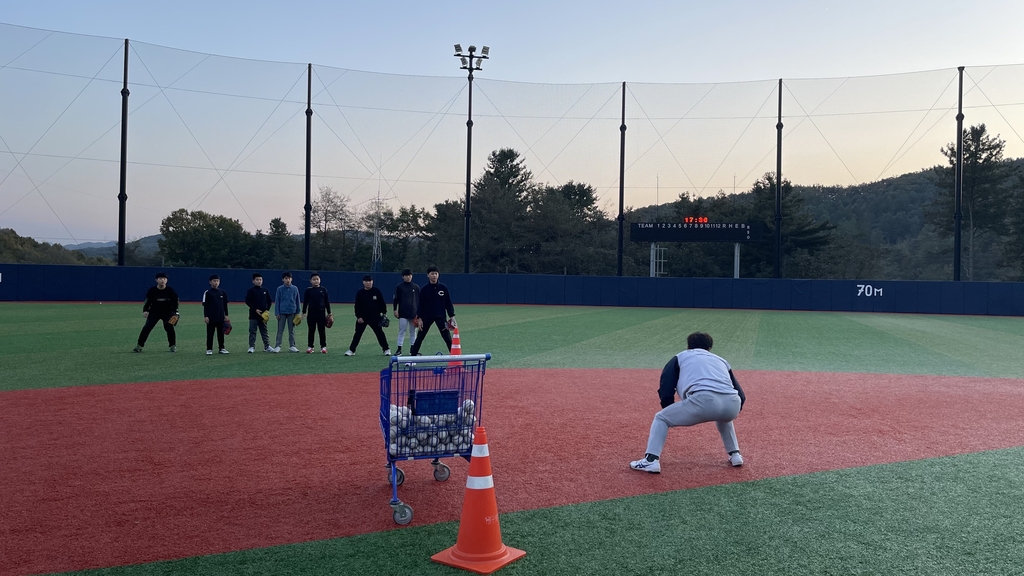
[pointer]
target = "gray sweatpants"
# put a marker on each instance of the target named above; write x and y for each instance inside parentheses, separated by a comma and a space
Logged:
(702, 406)
(286, 320)
(405, 327)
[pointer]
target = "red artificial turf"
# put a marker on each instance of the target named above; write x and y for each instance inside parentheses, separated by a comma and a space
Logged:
(109, 475)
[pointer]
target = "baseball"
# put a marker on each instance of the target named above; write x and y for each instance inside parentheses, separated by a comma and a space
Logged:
(393, 449)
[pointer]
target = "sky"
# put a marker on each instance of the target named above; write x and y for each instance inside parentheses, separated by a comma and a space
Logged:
(700, 103)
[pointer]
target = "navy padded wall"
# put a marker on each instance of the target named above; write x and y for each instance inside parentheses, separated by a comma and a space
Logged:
(550, 290)
(1000, 299)
(952, 301)
(647, 292)
(628, 291)
(516, 288)
(609, 291)
(761, 293)
(683, 289)
(721, 292)
(800, 294)
(821, 295)
(929, 298)
(703, 296)
(906, 297)
(842, 295)
(780, 293)
(574, 290)
(9, 282)
(975, 298)
(665, 292)
(742, 293)
(1017, 306)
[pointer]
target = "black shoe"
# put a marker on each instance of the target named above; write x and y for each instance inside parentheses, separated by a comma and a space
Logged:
(398, 351)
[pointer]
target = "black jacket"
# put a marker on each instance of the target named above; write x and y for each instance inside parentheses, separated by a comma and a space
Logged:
(370, 305)
(407, 299)
(258, 298)
(435, 300)
(316, 301)
(161, 303)
(215, 304)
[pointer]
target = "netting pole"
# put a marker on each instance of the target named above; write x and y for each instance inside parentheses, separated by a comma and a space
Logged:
(622, 173)
(309, 152)
(778, 190)
(958, 186)
(122, 197)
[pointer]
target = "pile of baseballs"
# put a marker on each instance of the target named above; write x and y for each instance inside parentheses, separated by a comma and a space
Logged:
(434, 435)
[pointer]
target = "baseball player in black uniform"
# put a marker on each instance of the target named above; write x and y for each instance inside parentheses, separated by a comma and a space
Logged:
(370, 307)
(316, 307)
(161, 304)
(215, 313)
(259, 302)
(435, 300)
(407, 298)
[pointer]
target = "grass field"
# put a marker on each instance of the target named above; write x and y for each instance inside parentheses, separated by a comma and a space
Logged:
(952, 515)
(48, 345)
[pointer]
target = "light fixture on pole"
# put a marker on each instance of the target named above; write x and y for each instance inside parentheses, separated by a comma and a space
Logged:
(471, 63)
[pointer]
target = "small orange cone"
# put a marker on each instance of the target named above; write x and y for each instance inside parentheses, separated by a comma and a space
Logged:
(479, 548)
(456, 347)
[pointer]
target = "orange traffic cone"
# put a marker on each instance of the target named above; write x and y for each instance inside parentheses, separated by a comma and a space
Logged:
(479, 548)
(456, 347)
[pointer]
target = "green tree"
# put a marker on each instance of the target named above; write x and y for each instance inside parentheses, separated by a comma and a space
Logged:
(984, 196)
(201, 239)
(500, 201)
(332, 222)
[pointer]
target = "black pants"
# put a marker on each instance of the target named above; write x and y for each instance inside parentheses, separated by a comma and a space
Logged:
(374, 324)
(210, 329)
(151, 321)
(441, 325)
(317, 323)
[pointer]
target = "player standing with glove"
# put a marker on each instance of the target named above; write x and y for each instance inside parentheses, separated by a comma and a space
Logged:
(161, 304)
(435, 301)
(708, 392)
(370, 308)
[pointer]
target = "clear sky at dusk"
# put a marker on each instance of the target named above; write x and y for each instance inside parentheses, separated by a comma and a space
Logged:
(569, 41)
(870, 92)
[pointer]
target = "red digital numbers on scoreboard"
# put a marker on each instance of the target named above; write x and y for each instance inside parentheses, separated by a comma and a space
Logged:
(695, 220)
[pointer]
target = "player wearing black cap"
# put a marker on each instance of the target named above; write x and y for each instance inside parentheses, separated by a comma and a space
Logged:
(370, 307)
(161, 304)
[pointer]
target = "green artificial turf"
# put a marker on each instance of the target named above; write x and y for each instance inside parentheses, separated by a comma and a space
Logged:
(47, 345)
(943, 516)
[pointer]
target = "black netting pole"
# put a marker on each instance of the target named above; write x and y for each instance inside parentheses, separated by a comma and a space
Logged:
(958, 186)
(469, 160)
(122, 197)
(778, 190)
(309, 152)
(622, 173)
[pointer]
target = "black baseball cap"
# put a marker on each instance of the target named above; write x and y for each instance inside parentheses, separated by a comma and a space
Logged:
(367, 278)
(160, 275)
(406, 272)
(214, 277)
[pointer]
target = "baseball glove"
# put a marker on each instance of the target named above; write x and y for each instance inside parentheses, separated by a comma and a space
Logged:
(451, 324)
(265, 316)
(297, 319)
(417, 322)
(173, 320)
(384, 321)
(330, 320)
(227, 327)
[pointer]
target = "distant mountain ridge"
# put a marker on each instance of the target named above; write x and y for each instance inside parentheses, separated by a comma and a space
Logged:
(147, 247)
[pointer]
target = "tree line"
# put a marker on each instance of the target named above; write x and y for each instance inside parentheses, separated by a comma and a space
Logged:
(898, 228)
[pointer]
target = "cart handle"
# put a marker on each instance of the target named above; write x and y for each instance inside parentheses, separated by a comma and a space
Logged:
(441, 358)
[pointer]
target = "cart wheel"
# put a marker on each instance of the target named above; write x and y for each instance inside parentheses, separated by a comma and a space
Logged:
(442, 472)
(402, 514)
(399, 477)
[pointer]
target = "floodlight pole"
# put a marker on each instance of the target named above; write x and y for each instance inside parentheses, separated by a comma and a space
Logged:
(958, 186)
(622, 176)
(122, 197)
(469, 66)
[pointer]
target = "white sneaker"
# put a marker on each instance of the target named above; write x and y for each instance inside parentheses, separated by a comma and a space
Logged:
(270, 349)
(209, 352)
(349, 353)
(644, 466)
(387, 352)
(251, 349)
(224, 351)
(736, 459)
(274, 350)
(293, 349)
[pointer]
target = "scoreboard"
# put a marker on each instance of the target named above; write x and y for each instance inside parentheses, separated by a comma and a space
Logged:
(696, 229)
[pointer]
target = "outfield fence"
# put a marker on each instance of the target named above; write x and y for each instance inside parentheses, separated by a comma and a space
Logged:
(228, 135)
(35, 282)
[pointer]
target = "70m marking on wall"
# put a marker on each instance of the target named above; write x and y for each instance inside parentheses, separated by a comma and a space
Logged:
(868, 290)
